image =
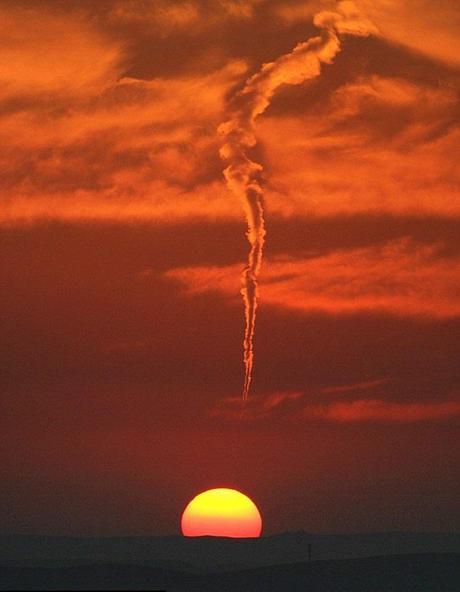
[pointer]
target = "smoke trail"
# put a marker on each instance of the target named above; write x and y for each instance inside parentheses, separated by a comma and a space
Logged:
(243, 175)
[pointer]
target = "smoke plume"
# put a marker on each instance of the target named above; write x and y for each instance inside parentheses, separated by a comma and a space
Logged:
(243, 175)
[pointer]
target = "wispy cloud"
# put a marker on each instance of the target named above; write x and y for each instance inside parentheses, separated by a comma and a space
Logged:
(424, 26)
(98, 124)
(48, 53)
(324, 162)
(365, 402)
(376, 410)
(400, 278)
(140, 150)
(350, 388)
(429, 27)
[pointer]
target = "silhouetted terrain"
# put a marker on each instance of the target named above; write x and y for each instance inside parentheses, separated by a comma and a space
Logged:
(212, 553)
(404, 573)
(390, 562)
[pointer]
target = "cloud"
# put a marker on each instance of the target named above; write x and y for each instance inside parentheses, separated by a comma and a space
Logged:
(360, 386)
(407, 99)
(375, 410)
(400, 278)
(165, 16)
(241, 9)
(140, 150)
(323, 162)
(88, 132)
(300, 406)
(426, 26)
(293, 12)
(167, 108)
(44, 53)
(257, 407)
(155, 201)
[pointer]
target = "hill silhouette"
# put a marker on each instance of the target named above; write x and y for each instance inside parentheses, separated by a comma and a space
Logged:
(390, 562)
(403, 573)
(210, 553)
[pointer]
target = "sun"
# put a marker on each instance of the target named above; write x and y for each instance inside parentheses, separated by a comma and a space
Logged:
(222, 512)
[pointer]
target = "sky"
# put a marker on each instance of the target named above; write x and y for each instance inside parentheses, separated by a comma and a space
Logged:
(123, 248)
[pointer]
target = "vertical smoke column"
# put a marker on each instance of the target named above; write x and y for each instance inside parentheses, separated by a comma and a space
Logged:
(243, 175)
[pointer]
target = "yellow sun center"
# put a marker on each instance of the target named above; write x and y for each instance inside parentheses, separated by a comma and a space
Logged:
(222, 512)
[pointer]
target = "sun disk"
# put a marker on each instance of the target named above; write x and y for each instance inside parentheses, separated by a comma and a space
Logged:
(222, 512)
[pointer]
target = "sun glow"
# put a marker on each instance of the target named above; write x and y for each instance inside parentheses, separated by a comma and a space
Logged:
(222, 512)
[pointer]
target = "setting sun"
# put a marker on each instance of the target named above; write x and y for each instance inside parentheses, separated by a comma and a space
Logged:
(222, 512)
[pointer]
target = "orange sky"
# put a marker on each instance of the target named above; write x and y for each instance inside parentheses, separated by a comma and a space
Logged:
(122, 321)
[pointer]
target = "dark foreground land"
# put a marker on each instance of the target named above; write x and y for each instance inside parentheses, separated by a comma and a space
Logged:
(390, 562)
(403, 573)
